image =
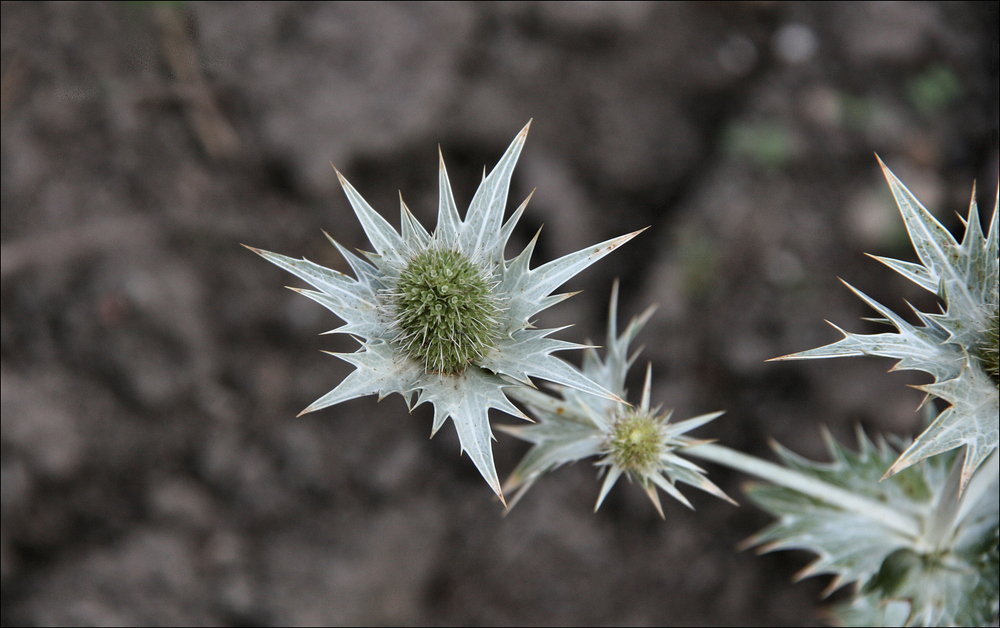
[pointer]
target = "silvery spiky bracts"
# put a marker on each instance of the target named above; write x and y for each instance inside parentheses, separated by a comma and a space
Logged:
(958, 346)
(443, 316)
(940, 570)
(639, 442)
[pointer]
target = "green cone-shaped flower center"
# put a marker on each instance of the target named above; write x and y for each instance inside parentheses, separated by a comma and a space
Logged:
(636, 441)
(989, 346)
(445, 311)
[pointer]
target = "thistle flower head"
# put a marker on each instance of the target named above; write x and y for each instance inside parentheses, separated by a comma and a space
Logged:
(443, 317)
(957, 346)
(639, 442)
(444, 310)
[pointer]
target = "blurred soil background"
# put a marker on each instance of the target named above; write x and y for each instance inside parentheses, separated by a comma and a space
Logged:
(154, 470)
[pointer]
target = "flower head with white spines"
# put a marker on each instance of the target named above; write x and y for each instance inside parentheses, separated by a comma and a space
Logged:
(958, 346)
(443, 317)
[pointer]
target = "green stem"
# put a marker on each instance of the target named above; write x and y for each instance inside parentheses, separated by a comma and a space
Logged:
(818, 489)
(945, 510)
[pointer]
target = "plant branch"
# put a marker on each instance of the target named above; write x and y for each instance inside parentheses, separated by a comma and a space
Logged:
(832, 495)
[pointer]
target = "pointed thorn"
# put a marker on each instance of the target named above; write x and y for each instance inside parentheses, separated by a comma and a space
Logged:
(644, 404)
(885, 169)
(795, 356)
(524, 132)
(615, 397)
(655, 498)
(774, 445)
(895, 468)
(527, 200)
(748, 542)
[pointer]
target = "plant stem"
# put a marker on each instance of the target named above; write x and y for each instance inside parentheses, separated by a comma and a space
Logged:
(946, 509)
(832, 495)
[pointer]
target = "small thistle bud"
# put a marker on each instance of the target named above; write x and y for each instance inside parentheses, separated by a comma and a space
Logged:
(445, 312)
(636, 441)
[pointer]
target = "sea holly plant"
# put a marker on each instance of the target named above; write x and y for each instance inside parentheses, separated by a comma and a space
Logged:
(917, 544)
(442, 317)
(936, 562)
(639, 442)
(957, 346)
(912, 549)
(912, 528)
(915, 534)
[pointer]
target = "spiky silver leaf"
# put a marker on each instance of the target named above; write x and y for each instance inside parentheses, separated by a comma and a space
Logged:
(638, 442)
(956, 346)
(465, 371)
(944, 574)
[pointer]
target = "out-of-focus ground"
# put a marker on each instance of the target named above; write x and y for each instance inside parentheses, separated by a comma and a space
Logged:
(153, 467)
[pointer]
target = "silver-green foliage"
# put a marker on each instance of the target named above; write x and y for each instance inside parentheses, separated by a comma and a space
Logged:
(944, 575)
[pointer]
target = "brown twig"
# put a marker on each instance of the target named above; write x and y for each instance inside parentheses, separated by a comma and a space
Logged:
(214, 132)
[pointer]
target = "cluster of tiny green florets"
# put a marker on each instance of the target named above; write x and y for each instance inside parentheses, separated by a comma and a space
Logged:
(636, 441)
(445, 310)
(989, 346)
